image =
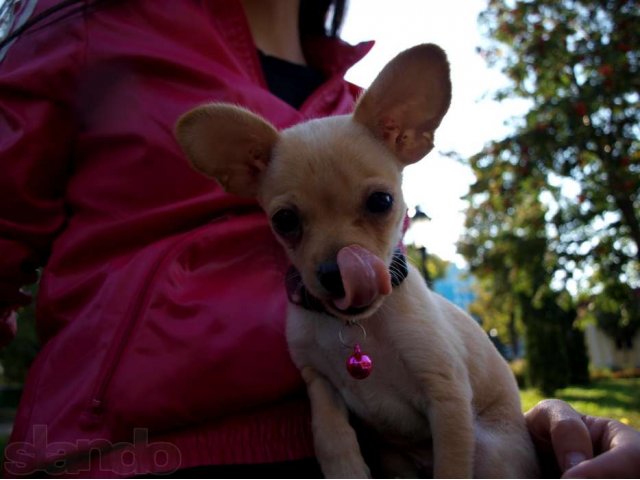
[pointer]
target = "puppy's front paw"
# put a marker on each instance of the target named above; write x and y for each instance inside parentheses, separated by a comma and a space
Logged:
(339, 454)
(345, 466)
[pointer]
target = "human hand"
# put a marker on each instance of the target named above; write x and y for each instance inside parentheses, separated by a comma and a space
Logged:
(581, 446)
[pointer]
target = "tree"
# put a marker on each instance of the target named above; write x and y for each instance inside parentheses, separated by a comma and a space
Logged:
(434, 266)
(508, 252)
(555, 209)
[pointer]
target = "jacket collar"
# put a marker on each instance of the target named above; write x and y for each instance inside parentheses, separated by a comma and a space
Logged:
(332, 56)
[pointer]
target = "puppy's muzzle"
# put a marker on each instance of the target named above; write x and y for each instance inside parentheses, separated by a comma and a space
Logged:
(328, 274)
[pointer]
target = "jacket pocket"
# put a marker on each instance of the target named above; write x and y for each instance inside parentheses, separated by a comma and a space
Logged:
(154, 260)
(203, 334)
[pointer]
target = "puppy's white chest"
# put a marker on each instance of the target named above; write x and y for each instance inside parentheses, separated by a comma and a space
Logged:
(387, 400)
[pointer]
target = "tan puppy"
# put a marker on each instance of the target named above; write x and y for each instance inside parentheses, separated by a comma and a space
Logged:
(439, 400)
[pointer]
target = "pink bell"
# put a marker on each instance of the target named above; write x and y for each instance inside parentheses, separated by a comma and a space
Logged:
(359, 364)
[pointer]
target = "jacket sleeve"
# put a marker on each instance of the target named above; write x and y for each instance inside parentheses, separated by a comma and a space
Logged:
(36, 133)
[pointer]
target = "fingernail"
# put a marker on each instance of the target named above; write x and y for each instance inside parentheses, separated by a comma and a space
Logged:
(572, 459)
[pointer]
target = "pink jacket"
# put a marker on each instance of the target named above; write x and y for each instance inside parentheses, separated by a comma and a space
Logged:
(161, 305)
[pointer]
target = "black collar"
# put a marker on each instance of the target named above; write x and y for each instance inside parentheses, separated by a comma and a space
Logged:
(298, 294)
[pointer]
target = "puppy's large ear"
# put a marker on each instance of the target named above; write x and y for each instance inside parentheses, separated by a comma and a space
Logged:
(227, 143)
(407, 101)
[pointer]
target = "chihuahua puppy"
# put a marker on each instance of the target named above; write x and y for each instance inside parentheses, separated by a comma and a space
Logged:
(432, 394)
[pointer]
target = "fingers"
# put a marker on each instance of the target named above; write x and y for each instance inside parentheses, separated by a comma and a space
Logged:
(554, 425)
(618, 463)
(620, 445)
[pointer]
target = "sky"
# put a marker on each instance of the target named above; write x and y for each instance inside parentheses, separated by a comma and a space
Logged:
(437, 182)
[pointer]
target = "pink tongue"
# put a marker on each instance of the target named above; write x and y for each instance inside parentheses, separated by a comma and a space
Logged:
(365, 277)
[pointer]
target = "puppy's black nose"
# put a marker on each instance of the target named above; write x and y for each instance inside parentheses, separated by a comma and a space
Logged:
(329, 277)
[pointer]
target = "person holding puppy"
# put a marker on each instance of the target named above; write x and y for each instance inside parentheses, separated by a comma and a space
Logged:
(161, 306)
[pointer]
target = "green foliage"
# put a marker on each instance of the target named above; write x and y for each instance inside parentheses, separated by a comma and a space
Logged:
(556, 350)
(577, 149)
(17, 357)
(519, 370)
(554, 211)
(434, 266)
(617, 312)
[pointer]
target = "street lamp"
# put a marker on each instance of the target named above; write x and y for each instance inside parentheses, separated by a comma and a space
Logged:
(420, 216)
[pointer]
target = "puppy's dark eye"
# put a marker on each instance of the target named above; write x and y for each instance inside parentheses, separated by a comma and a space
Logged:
(379, 202)
(286, 222)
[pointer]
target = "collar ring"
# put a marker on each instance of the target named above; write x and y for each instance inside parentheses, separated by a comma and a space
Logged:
(347, 325)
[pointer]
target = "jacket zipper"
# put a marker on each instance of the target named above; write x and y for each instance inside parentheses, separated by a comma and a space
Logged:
(96, 406)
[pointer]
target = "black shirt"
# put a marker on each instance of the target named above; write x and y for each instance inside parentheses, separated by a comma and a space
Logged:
(290, 82)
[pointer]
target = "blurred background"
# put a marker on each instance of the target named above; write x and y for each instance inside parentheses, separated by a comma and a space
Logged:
(527, 213)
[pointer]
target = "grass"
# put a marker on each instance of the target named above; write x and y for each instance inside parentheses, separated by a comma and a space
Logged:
(612, 398)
